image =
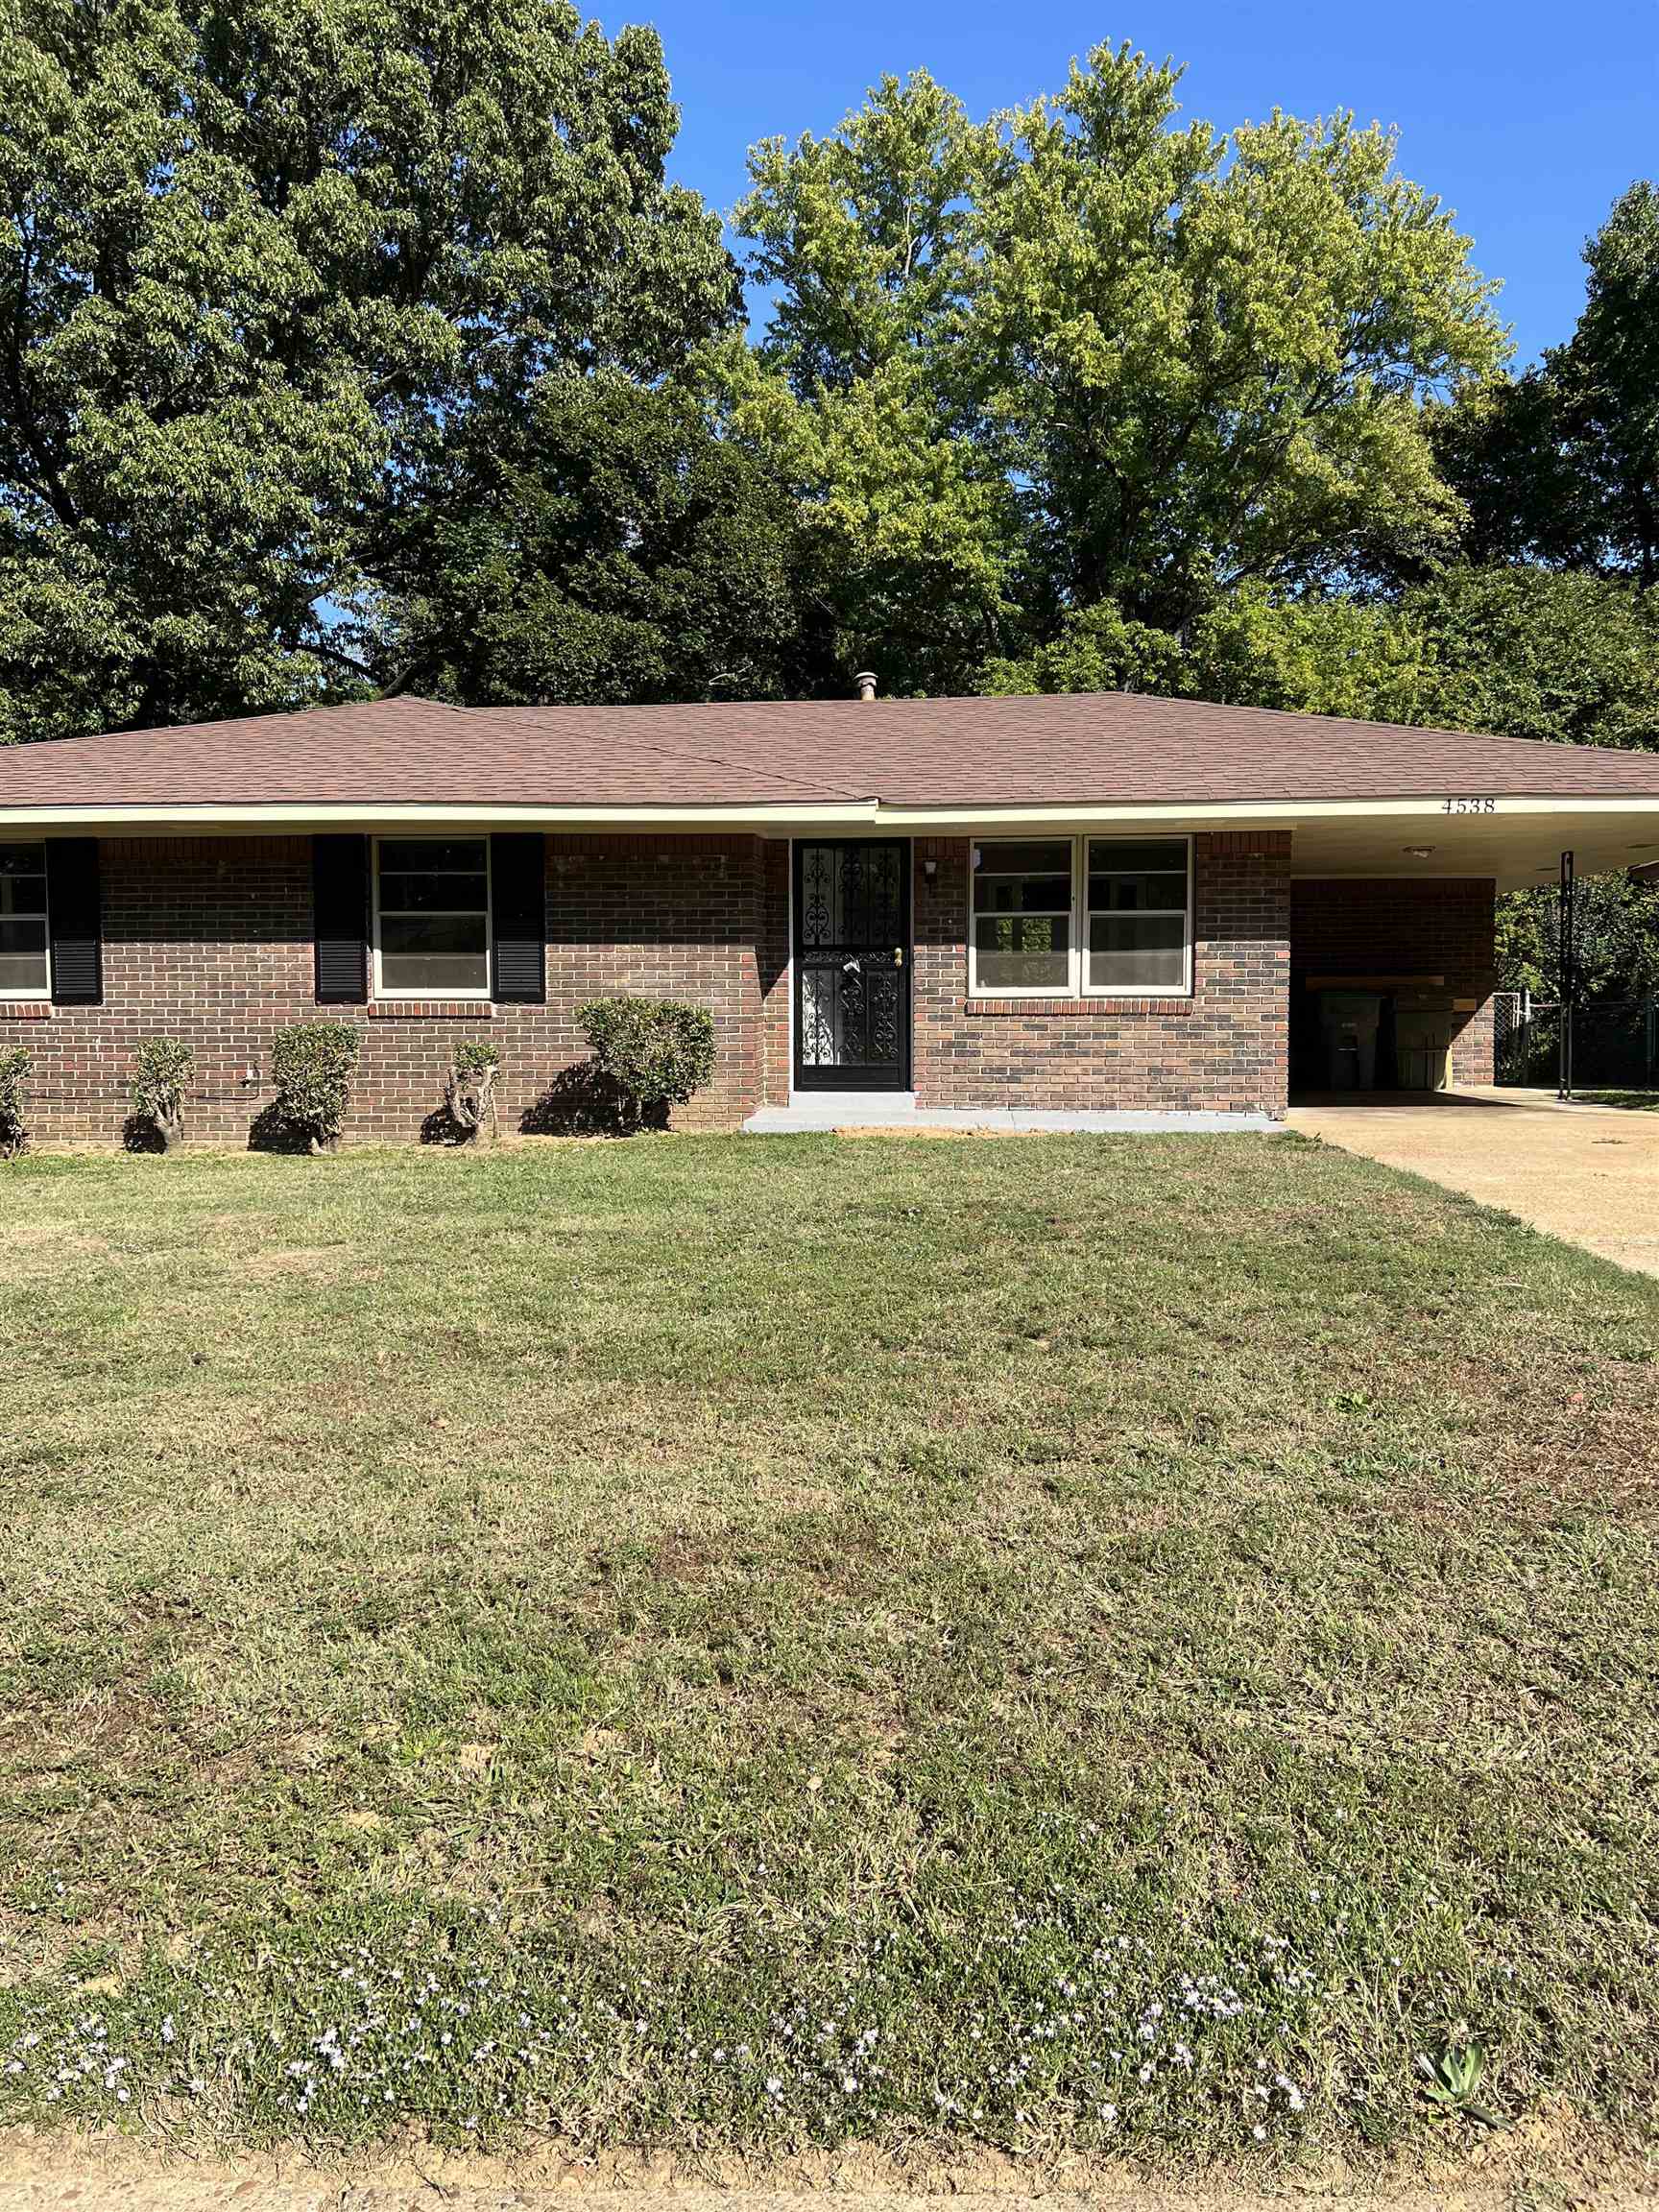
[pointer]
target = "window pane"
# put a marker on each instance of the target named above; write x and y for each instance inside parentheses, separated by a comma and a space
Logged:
(416, 856)
(1137, 952)
(21, 893)
(446, 933)
(1023, 878)
(1137, 856)
(1016, 952)
(1022, 894)
(402, 893)
(1137, 894)
(435, 916)
(22, 935)
(27, 974)
(22, 860)
(433, 972)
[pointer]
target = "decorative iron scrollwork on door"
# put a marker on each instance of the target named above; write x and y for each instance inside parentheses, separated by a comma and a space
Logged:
(851, 932)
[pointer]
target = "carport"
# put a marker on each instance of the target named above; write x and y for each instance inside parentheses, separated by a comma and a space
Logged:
(1392, 963)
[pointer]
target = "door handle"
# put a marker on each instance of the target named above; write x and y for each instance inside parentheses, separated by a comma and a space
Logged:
(897, 956)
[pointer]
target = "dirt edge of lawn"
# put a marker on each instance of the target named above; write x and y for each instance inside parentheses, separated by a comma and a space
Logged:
(1547, 2164)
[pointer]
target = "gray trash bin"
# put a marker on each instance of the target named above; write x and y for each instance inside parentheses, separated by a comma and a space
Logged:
(1348, 1022)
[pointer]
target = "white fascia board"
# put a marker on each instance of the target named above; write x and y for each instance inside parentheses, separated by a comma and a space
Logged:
(849, 815)
(858, 816)
(1285, 812)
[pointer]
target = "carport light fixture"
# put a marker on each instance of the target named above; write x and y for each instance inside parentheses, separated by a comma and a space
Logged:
(1417, 852)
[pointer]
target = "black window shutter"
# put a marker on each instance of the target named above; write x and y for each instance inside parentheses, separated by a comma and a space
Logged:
(76, 920)
(518, 900)
(340, 919)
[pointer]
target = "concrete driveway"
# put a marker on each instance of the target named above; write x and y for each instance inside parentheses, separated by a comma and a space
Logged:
(1588, 1173)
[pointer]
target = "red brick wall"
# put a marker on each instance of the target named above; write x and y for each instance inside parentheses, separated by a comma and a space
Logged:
(210, 940)
(1385, 926)
(1226, 1047)
(776, 1031)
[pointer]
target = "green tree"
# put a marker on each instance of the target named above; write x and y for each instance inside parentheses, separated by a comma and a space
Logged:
(257, 263)
(1336, 656)
(1525, 651)
(1615, 939)
(861, 392)
(1609, 371)
(1538, 653)
(605, 544)
(1213, 350)
(1562, 465)
(1164, 362)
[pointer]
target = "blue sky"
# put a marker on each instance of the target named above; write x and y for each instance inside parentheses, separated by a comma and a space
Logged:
(1527, 120)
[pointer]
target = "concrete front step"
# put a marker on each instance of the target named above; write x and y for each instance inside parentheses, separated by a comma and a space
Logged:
(898, 1109)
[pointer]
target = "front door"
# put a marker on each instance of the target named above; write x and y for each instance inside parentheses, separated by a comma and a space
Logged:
(852, 964)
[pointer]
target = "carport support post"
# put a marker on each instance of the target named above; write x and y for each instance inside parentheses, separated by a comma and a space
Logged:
(1569, 977)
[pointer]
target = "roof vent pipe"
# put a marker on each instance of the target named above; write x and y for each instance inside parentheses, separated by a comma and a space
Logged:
(866, 683)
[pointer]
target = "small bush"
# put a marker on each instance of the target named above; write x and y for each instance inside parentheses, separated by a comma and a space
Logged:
(655, 1050)
(470, 1090)
(161, 1067)
(16, 1068)
(312, 1066)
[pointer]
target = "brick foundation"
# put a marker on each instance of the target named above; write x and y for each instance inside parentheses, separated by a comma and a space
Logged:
(1402, 927)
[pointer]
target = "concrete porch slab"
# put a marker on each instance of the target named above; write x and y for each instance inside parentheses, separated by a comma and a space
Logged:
(901, 1112)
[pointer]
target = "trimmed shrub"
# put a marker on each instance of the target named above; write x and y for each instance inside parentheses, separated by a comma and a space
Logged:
(312, 1066)
(161, 1067)
(655, 1051)
(15, 1068)
(469, 1089)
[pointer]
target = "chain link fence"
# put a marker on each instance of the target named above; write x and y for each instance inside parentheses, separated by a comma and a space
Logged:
(1614, 1042)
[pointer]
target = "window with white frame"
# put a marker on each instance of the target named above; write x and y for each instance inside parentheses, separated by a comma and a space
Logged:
(432, 917)
(25, 964)
(1090, 917)
(1021, 942)
(1137, 940)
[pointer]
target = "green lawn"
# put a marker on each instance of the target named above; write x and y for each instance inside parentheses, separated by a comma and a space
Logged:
(1638, 1101)
(1082, 1641)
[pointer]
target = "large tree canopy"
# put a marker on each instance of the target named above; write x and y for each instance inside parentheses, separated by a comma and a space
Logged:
(1562, 465)
(1525, 651)
(256, 261)
(601, 544)
(1161, 362)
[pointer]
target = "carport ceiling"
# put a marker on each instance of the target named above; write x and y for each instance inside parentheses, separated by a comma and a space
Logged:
(1519, 848)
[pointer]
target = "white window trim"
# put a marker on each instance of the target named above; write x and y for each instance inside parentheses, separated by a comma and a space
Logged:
(1181, 989)
(1077, 985)
(475, 998)
(1065, 990)
(41, 996)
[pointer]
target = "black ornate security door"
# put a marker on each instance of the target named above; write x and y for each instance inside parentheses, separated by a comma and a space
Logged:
(851, 965)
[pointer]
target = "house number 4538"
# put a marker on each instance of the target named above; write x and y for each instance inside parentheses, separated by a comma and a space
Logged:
(1469, 807)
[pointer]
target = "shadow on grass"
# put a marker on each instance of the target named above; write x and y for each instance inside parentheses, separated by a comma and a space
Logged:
(583, 1101)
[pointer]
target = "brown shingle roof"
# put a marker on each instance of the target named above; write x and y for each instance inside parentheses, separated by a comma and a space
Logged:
(1095, 750)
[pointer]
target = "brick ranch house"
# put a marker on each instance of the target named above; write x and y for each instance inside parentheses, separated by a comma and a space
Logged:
(1106, 903)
